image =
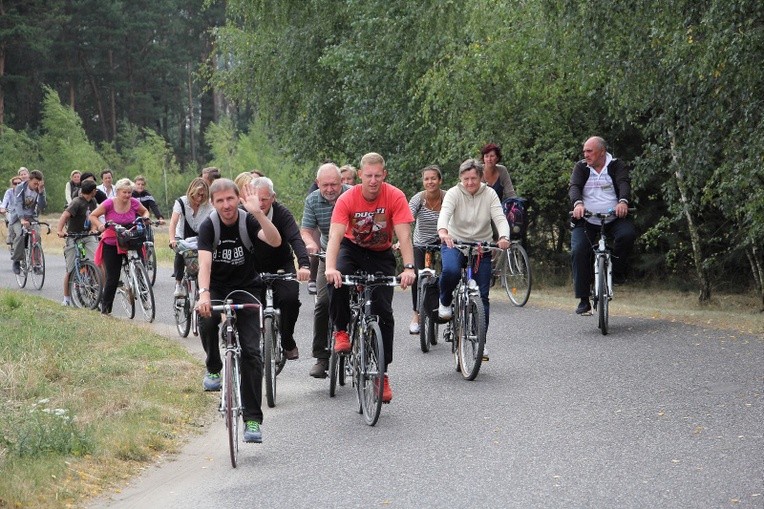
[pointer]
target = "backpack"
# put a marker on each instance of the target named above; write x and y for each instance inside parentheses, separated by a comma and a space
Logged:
(243, 233)
(517, 217)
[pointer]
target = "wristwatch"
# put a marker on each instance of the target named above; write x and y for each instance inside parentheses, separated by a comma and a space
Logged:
(202, 290)
(409, 266)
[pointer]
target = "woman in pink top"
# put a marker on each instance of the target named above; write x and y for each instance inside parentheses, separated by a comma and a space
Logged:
(122, 209)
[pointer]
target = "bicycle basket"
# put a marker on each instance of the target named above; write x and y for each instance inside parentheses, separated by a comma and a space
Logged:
(191, 259)
(132, 238)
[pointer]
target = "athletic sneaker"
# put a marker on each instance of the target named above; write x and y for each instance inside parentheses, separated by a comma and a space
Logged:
(312, 287)
(211, 382)
(444, 312)
(180, 290)
(252, 432)
(485, 353)
(583, 307)
(387, 392)
(341, 342)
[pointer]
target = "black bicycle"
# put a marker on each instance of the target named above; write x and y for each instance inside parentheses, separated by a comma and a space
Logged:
(185, 319)
(366, 359)
(427, 298)
(274, 358)
(33, 263)
(85, 280)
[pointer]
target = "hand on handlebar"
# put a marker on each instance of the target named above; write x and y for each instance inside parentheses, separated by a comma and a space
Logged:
(333, 277)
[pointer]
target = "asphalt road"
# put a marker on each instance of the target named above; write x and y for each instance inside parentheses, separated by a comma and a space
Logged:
(655, 414)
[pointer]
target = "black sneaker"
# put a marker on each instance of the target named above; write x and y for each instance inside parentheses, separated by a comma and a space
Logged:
(584, 308)
(16, 267)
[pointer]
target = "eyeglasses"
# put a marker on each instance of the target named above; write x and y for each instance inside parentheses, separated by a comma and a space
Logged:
(16, 182)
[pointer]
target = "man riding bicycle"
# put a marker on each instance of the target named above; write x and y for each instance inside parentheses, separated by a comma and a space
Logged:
(599, 183)
(227, 265)
(29, 199)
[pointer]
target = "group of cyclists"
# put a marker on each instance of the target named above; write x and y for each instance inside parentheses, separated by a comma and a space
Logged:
(242, 231)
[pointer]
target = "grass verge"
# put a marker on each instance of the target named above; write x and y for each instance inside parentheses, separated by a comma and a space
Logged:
(86, 401)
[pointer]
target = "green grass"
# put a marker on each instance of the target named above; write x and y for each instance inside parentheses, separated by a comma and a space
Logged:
(85, 400)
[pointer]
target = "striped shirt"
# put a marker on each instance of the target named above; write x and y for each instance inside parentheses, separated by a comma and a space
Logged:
(426, 229)
(317, 214)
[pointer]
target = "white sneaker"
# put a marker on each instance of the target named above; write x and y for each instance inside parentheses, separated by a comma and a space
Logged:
(444, 312)
(485, 353)
(180, 290)
(66, 303)
(414, 328)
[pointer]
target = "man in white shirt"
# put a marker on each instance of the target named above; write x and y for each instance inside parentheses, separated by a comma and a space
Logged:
(106, 184)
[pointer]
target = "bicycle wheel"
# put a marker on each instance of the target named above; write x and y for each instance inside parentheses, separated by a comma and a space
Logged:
(516, 274)
(472, 337)
(334, 364)
(151, 262)
(86, 285)
(269, 353)
(278, 352)
(424, 340)
(21, 277)
(602, 293)
(372, 373)
(231, 404)
(125, 293)
(38, 266)
(182, 312)
(145, 292)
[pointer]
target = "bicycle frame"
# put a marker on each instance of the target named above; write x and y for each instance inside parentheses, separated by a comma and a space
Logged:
(32, 244)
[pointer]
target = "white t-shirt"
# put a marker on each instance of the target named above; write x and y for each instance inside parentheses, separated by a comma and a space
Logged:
(599, 192)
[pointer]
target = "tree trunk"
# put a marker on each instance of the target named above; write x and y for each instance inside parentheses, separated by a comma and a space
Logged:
(757, 268)
(113, 99)
(697, 249)
(2, 92)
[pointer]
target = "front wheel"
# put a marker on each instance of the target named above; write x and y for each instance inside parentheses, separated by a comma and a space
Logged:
(38, 266)
(515, 274)
(424, 315)
(231, 404)
(125, 293)
(182, 311)
(603, 295)
(86, 285)
(21, 277)
(151, 262)
(472, 338)
(145, 292)
(372, 373)
(270, 345)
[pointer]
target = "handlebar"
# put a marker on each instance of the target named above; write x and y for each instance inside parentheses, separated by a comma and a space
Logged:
(34, 222)
(230, 306)
(75, 235)
(601, 215)
(279, 276)
(321, 255)
(429, 247)
(371, 280)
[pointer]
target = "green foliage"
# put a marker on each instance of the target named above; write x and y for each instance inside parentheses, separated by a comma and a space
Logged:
(18, 149)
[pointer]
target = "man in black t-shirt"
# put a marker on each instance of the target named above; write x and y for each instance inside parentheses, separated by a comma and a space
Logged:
(227, 265)
(75, 218)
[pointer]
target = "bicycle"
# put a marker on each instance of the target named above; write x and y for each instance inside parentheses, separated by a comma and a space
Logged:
(466, 330)
(185, 319)
(135, 279)
(85, 280)
(149, 251)
(513, 270)
(231, 407)
(34, 258)
(603, 271)
(427, 299)
(274, 358)
(366, 360)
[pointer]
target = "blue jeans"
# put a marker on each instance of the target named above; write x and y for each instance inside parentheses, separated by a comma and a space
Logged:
(452, 261)
(584, 236)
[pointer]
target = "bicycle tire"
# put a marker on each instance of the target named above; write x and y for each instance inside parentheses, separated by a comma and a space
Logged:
(334, 364)
(231, 408)
(86, 285)
(269, 354)
(145, 292)
(472, 338)
(38, 266)
(424, 315)
(125, 293)
(21, 277)
(516, 275)
(277, 350)
(602, 292)
(372, 373)
(182, 312)
(151, 262)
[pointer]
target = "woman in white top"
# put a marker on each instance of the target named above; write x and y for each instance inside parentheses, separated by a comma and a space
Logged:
(188, 213)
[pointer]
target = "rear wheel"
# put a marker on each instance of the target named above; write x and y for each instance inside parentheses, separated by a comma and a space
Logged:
(38, 266)
(145, 292)
(472, 338)
(182, 311)
(515, 274)
(269, 352)
(86, 285)
(372, 373)
(603, 295)
(21, 277)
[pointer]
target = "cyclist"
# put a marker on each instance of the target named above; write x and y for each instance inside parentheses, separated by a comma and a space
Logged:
(146, 199)
(316, 217)
(599, 183)
(360, 238)
(6, 207)
(466, 215)
(72, 188)
(188, 213)
(29, 199)
(425, 207)
(286, 294)
(122, 209)
(226, 267)
(495, 174)
(75, 219)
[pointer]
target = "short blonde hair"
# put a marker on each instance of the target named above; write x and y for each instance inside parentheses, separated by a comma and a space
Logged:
(242, 179)
(124, 183)
(372, 158)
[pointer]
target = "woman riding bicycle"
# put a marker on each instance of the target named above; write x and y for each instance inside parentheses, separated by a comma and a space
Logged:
(188, 213)
(123, 209)
(466, 214)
